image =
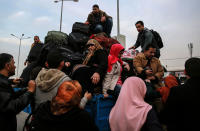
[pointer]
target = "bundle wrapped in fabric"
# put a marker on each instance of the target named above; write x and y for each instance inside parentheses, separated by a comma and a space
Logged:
(129, 54)
(104, 40)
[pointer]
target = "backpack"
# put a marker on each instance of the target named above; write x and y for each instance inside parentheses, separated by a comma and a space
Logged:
(157, 38)
(57, 38)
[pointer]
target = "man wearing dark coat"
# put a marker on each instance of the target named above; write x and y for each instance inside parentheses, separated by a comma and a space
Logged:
(11, 103)
(35, 50)
(145, 37)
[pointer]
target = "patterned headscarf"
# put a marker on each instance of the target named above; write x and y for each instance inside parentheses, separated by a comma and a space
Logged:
(67, 97)
(91, 53)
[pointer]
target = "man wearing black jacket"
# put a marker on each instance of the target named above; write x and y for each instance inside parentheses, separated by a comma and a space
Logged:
(182, 108)
(145, 37)
(11, 103)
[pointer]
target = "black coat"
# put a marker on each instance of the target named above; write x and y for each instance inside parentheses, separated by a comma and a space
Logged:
(182, 108)
(35, 52)
(74, 120)
(11, 103)
(152, 123)
(97, 63)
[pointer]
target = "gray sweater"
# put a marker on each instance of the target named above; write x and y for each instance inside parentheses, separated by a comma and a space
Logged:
(47, 84)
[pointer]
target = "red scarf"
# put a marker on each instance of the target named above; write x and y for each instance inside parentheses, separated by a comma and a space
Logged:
(170, 81)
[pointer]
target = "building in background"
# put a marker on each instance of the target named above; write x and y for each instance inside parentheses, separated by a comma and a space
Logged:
(121, 38)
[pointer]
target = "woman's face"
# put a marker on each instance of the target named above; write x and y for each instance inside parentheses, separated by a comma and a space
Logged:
(91, 47)
(120, 53)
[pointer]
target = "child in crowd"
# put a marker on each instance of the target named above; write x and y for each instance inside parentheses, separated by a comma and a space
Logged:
(112, 82)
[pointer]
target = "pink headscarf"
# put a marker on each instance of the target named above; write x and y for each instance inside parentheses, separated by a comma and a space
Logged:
(130, 110)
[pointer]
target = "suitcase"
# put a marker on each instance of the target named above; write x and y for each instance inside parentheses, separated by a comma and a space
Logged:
(78, 41)
(81, 27)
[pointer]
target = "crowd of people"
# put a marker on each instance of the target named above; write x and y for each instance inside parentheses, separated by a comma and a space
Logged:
(145, 101)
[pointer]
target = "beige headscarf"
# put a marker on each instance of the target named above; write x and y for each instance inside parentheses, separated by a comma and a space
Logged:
(91, 53)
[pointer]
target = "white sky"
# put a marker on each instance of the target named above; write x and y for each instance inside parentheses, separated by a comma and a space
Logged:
(178, 22)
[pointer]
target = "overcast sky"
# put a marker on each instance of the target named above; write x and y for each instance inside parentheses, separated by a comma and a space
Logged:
(177, 21)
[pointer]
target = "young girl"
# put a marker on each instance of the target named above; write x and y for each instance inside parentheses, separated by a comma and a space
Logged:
(112, 80)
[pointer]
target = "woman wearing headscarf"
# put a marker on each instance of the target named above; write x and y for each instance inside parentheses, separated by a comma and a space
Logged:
(63, 112)
(131, 112)
(112, 80)
(93, 69)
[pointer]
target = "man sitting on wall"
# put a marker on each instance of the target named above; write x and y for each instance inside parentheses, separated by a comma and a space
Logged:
(99, 21)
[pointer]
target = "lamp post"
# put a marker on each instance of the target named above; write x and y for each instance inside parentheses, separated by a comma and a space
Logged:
(118, 26)
(121, 38)
(190, 47)
(20, 39)
(56, 1)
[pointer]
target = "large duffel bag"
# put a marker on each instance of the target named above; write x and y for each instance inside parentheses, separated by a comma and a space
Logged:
(56, 38)
(104, 41)
(81, 27)
(68, 55)
(78, 41)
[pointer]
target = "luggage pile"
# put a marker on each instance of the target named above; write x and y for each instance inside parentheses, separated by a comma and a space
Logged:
(78, 38)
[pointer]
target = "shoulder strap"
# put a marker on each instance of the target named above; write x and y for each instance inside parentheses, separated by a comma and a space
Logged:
(29, 116)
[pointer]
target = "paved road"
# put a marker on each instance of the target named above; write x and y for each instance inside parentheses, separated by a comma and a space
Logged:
(21, 117)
